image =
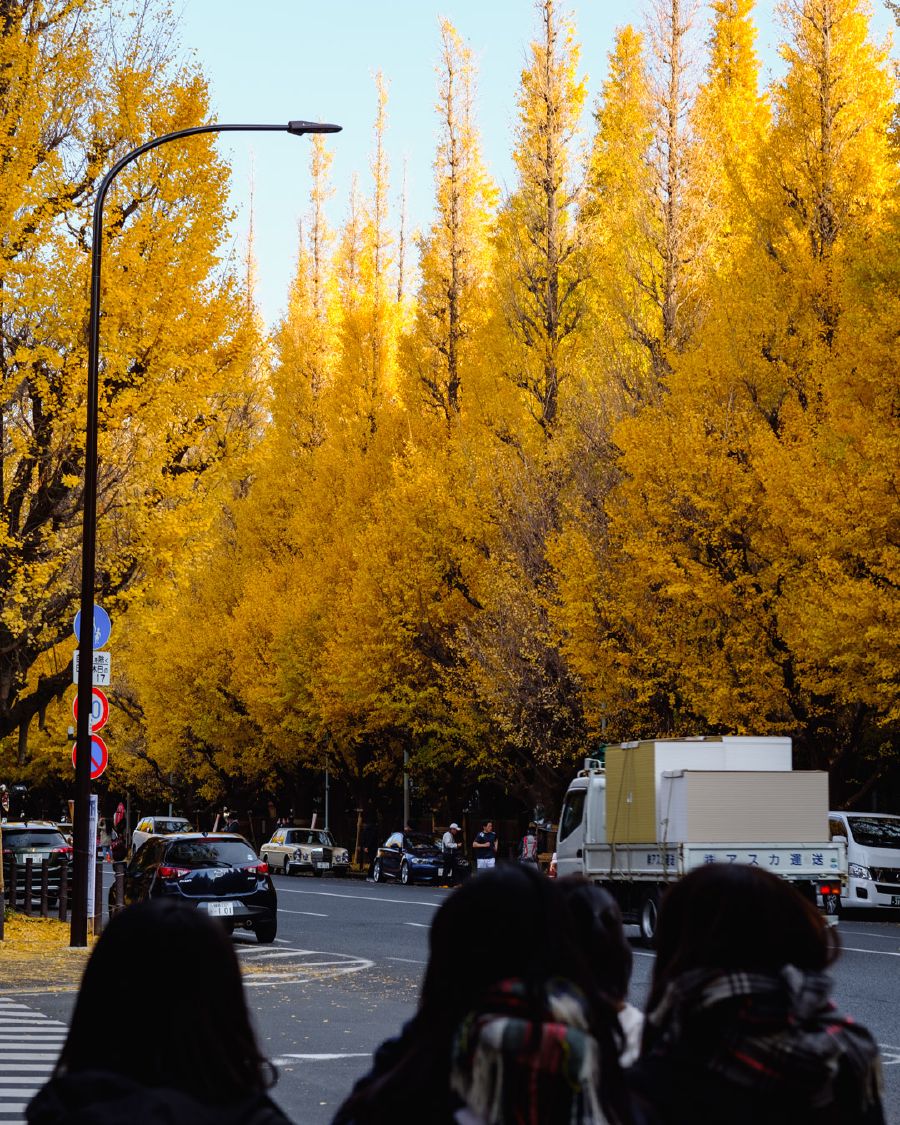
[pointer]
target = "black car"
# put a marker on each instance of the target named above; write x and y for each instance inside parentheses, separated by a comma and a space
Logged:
(38, 841)
(219, 873)
(410, 857)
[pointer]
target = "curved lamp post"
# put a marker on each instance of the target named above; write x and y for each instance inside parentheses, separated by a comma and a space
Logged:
(89, 534)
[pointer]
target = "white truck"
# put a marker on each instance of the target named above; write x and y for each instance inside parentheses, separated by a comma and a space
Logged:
(654, 810)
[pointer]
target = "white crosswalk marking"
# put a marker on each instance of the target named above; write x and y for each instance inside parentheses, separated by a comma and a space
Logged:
(30, 1043)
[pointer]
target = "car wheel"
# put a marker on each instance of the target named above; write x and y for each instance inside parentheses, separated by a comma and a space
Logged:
(285, 867)
(649, 917)
(266, 931)
(405, 874)
(377, 873)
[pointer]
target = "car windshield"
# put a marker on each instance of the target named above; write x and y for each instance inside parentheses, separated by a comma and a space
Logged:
(873, 832)
(167, 827)
(19, 838)
(322, 839)
(210, 853)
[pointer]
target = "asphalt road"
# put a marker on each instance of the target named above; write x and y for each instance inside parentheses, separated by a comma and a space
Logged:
(345, 969)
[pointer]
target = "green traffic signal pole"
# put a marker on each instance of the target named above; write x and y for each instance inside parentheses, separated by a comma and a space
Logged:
(78, 934)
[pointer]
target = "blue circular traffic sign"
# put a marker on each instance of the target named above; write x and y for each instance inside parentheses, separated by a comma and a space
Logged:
(102, 627)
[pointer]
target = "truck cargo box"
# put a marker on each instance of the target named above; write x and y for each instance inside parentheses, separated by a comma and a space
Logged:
(634, 772)
(752, 806)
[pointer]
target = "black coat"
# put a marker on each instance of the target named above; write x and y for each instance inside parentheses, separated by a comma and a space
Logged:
(101, 1098)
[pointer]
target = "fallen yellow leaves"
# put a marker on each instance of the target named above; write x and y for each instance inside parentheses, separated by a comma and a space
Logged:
(35, 954)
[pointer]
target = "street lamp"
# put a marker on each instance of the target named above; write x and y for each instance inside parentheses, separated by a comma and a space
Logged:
(81, 842)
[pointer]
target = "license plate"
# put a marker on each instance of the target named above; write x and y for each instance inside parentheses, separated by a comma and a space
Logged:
(895, 900)
(323, 866)
(220, 909)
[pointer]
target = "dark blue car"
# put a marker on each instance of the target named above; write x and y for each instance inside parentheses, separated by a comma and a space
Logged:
(410, 857)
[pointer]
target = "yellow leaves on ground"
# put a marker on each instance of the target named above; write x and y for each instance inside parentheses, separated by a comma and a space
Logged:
(35, 954)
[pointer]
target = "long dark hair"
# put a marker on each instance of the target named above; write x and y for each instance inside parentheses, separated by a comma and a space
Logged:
(511, 922)
(598, 926)
(162, 1002)
(737, 918)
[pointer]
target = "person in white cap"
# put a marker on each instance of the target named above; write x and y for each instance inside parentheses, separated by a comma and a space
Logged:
(450, 844)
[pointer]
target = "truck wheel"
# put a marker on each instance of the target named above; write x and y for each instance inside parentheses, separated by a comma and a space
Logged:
(649, 917)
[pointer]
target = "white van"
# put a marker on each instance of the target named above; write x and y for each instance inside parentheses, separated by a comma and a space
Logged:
(873, 858)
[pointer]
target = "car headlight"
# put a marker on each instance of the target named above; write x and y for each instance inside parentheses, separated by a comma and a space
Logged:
(299, 853)
(342, 856)
(858, 871)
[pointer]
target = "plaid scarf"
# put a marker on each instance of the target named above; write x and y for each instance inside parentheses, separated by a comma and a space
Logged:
(777, 1032)
(521, 1061)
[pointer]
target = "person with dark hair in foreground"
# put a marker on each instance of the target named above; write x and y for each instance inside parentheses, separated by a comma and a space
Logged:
(511, 1028)
(740, 1027)
(187, 1053)
(598, 924)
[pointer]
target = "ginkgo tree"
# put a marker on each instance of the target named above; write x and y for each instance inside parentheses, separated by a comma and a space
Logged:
(179, 376)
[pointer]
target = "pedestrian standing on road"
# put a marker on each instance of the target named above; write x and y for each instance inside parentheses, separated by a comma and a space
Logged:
(190, 1054)
(510, 1030)
(450, 848)
(485, 847)
(740, 1026)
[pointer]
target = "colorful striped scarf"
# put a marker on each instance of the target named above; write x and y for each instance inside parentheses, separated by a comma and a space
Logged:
(522, 1060)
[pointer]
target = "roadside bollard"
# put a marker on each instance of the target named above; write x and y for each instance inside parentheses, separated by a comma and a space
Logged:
(64, 893)
(45, 880)
(29, 883)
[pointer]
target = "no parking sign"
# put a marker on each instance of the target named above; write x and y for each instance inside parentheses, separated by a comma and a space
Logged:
(99, 756)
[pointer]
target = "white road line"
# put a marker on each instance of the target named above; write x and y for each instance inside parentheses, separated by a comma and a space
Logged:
(421, 925)
(875, 952)
(308, 913)
(282, 1059)
(269, 954)
(365, 898)
(13, 1107)
(406, 960)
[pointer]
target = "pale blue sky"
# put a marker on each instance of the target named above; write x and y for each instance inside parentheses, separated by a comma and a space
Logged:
(279, 59)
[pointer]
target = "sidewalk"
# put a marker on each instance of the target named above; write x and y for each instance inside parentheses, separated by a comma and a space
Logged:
(35, 956)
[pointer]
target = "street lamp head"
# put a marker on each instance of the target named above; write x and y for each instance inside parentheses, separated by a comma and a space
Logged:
(298, 128)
